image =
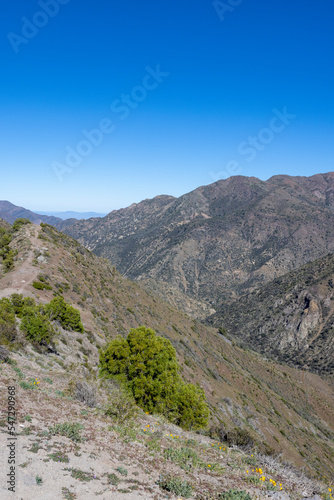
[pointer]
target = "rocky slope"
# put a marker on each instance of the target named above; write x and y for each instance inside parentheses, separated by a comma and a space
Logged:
(220, 240)
(4, 224)
(291, 317)
(283, 409)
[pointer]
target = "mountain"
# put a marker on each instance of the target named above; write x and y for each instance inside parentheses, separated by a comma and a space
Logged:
(291, 317)
(73, 215)
(10, 213)
(282, 409)
(219, 241)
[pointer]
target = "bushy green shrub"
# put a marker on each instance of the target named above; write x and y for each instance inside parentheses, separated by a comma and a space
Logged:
(8, 331)
(41, 286)
(193, 410)
(147, 365)
(68, 316)
(20, 222)
(36, 326)
(6, 253)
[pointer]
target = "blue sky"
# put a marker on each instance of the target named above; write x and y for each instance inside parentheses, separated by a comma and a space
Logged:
(183, 94)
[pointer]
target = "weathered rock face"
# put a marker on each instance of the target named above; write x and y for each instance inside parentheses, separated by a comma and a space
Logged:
(291, 317)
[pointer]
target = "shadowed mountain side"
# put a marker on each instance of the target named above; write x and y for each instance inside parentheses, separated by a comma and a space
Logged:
(291, 318)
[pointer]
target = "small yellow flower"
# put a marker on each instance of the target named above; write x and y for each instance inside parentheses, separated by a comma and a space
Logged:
(247, 471)
(209, 465)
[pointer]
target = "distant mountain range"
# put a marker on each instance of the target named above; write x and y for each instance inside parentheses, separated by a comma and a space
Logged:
(73, 215)
(10, 213)
(220, 240)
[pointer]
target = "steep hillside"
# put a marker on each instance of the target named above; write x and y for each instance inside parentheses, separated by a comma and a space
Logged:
(10, 213)
(291, 317)
(4, 224)
(282, 409)
(220, 240)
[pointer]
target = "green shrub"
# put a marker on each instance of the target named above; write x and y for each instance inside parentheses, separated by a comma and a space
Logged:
(19, 223)
(68, 316)
(41, 286)
(147, 366)
(36, 326)
(8, 331)
(193, 410)
(6, 254)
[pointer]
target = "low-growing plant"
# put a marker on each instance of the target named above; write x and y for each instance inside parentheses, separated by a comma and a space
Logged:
(81, 475)
(234, 495)
(122, 471)
(26, 385)
(39, 480)
(175, 485)
(113, 479)
(59, 456)
(121, 406)
(186, 458)
(70, 430)
(67, 494)
(82, 391)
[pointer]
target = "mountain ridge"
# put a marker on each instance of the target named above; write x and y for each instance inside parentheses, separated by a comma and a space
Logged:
(220, 239)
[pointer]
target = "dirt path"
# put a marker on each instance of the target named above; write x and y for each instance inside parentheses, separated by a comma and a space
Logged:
(24, 273)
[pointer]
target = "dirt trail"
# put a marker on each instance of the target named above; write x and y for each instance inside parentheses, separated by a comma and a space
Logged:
(24, 273)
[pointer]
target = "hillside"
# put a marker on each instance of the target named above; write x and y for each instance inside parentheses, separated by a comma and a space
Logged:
(4, 224)
(282, 409)
(290, 318)
(10, 213)
(220, 240)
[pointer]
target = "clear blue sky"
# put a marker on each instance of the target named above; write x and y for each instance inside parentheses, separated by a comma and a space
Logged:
(222, 73)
